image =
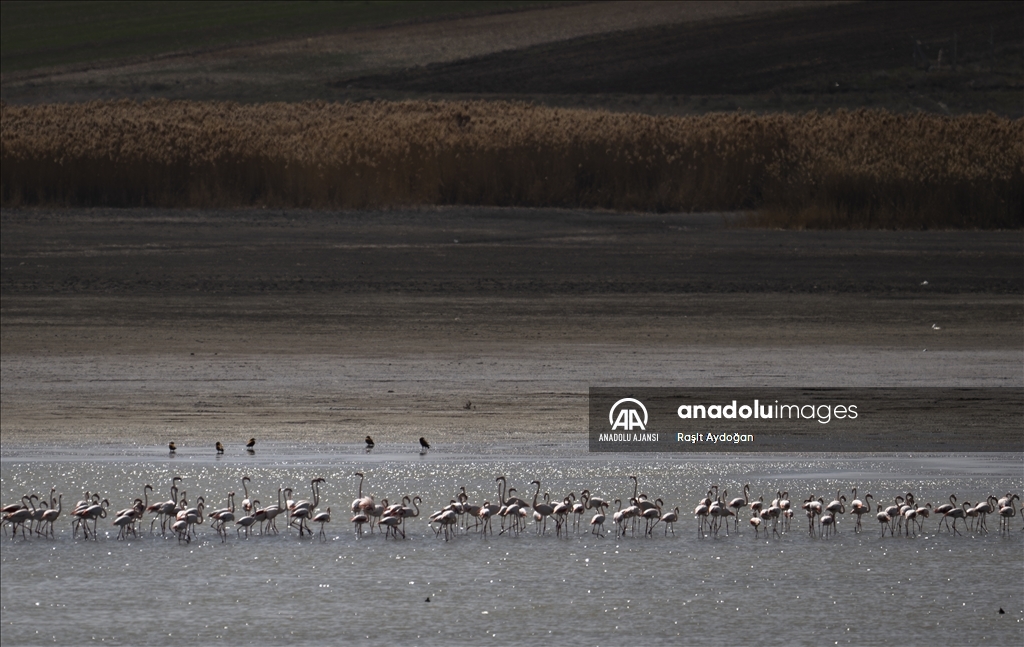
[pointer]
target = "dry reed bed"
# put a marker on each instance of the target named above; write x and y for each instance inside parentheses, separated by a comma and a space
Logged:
(843, 169)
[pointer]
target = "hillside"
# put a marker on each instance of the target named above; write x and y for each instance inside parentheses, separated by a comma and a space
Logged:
(651, 57)
(866, 54)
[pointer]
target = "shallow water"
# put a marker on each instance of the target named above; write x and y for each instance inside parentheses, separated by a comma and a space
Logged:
(852, 588)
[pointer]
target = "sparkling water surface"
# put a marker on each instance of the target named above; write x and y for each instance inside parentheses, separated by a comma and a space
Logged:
(851, 588)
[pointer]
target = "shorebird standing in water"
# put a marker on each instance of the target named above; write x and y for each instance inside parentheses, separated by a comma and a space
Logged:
(369, 443)
(220, 448)
(171, 446)
(424, 445)
(249, 445)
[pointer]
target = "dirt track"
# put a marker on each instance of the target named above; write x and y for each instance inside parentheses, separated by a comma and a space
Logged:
(139, 324)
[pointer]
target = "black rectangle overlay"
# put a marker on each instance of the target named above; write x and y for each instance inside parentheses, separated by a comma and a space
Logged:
(871, 420)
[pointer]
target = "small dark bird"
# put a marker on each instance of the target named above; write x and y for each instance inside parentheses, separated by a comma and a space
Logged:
(249, 445)
(171, 446)
(1000, 608)
(424, 445)
(369, 443)
(220, 448)
(427, 600)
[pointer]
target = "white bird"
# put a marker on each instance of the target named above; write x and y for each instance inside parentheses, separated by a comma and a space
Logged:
(361, 503)
(651, 515)
(51, 515)
(392, 526)
(561, 513)
(827, 524)
(541, 511)
(740, 502)
(180, 528)
(578, 508)
(404, 512)
(701, 513)
(597, 523)
(123, 522)
(484, 514)
(860, 508)
(359, 520)
(910, 519)
(883, 519)
(669, 519)
(246, 502)
(1005, 513)
(322, 518)
(756, 523)
(958, 513)
(271, 512)
(245, 522)
(445, 519)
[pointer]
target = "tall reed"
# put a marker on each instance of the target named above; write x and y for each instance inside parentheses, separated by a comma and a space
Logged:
(843, 169)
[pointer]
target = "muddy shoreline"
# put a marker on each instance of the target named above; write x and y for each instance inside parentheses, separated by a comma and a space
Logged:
(136, 325)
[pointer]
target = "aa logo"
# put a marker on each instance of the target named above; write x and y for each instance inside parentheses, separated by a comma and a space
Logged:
(626, 417)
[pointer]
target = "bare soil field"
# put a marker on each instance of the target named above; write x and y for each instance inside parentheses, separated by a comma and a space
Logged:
(133, 325)
(783, 50)
(650, 57)
(309, 68)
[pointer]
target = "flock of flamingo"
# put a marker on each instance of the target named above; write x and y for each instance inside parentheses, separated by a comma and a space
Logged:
(634, 515)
